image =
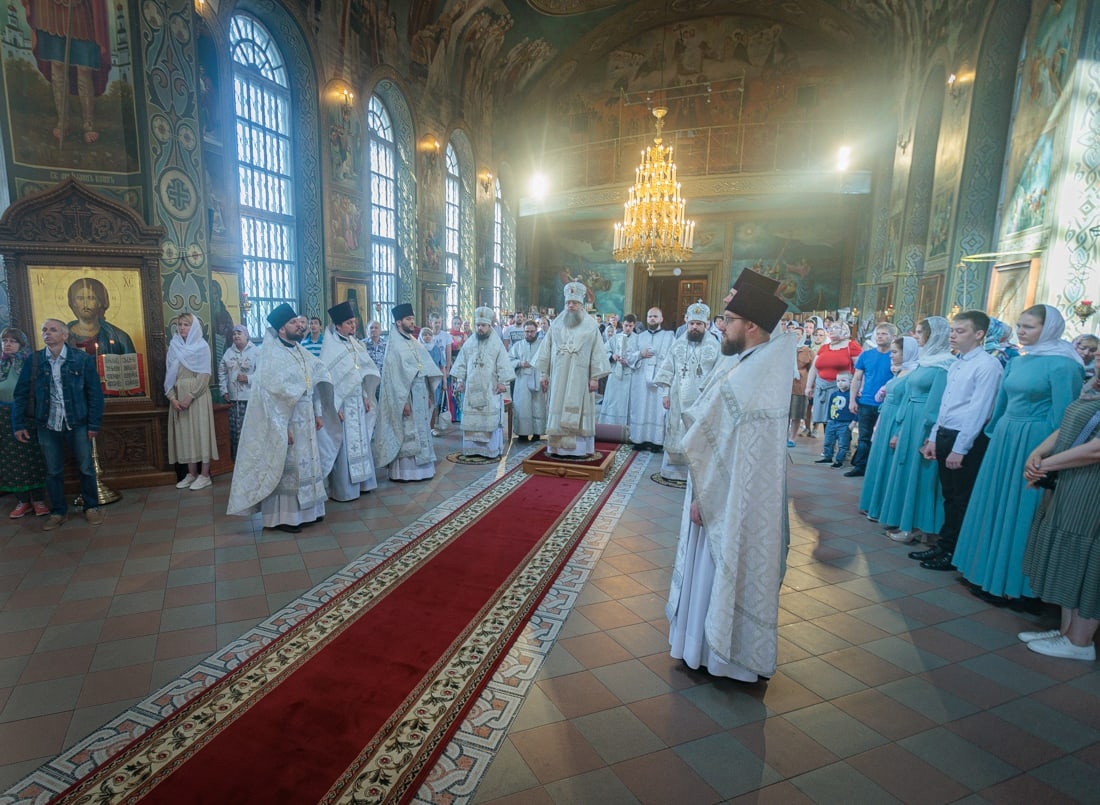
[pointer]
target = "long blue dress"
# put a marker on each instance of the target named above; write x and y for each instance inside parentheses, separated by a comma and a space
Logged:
(881, 455)
(1034, 394)
(912, 498)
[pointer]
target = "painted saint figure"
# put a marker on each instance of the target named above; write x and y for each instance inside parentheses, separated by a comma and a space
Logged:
(89, 331)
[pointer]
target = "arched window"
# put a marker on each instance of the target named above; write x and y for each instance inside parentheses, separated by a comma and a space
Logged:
(382, 193)
(451, 246)
(265, 169)
(498, 245)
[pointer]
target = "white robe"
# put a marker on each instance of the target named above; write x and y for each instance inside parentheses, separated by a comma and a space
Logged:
(572, 357)
(404, 443)
(724, 595)
(482, 366)
(647, 410)
(684, 371)
(528, 398)
(615, 408)
(356, 379)
(285, 481)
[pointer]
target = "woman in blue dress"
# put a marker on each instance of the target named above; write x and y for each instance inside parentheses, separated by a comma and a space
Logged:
(1036, 389)
(913, 502)
(903, 357)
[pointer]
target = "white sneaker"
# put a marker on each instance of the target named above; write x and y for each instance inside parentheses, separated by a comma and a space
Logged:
(202, 482)
(1027, 637)
(1061, 646)
(186, 482)
(904, 537)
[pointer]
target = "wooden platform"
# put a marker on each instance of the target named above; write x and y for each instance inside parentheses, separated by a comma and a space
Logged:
(591, 469)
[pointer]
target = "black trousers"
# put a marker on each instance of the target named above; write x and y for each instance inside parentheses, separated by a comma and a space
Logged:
(868, 417)
(956, 484)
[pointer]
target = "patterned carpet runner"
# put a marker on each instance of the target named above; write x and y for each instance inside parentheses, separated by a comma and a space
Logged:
(354, 703)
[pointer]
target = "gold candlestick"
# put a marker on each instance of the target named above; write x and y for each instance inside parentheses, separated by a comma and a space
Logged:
(104, 493)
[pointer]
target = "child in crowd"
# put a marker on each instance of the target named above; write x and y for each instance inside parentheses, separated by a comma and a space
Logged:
(838, 430)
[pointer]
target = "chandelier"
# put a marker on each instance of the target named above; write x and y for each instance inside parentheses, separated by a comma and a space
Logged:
(653, 228)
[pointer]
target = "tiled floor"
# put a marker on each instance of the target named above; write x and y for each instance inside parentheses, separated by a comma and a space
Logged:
(894, 683)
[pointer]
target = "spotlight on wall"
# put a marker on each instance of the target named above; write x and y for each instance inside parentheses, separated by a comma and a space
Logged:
(538, 186)
(843, 158)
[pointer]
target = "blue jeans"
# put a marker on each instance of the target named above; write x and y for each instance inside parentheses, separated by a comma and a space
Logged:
(838, 437)
(53, 450)
(868, 417)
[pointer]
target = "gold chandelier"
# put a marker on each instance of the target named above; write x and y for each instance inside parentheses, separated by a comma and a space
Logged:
(653, 228)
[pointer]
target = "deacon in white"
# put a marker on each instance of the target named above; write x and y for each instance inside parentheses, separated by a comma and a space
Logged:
(528, 398)
(235, 370)
(572, 361)
(403, 436)
(279, 470)
(684, 372)
(647, 409)
(723, 606)
(355, 378)
(482, 372)
(622, 348)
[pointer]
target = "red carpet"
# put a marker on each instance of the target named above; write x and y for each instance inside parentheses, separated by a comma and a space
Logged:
(354, 703)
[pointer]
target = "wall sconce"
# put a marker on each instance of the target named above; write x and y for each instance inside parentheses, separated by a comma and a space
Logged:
(486, 180)
(903, 140)
(348, 96)
(430, 146)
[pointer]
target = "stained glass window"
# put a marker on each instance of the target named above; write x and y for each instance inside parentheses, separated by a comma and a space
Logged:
(265, 167)
(383, 205)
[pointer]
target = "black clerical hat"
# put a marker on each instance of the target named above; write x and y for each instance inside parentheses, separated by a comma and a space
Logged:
(762, 308)
(280, 316)
(402, 310)
(757, 280)
(342, 312)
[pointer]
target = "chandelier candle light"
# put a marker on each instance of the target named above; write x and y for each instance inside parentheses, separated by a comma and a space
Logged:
(653, 228)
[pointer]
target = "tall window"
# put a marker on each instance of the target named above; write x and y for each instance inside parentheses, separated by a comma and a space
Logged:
(452, 240)
(265, 168)
(498, 245)
(383, 205)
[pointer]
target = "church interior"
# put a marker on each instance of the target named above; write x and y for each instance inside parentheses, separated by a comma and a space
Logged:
(883, 160)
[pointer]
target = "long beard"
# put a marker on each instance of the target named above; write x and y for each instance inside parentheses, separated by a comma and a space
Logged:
(482, 336)
(695, 335)
(732, 347)
(573, 318)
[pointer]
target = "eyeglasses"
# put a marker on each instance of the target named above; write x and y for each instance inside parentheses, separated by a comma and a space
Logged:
(734, 318)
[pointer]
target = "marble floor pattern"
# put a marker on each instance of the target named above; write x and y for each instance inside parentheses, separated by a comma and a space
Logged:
(894, 684)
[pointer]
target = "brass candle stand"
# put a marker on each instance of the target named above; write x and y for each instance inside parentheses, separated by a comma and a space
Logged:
(104, 493)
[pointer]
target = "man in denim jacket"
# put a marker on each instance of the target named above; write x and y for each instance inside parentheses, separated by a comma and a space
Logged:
(68, 409)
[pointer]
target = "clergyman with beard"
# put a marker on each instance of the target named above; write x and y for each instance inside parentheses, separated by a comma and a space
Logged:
(683, 373)
(278, 470)
(403, 435)
(482, 374)
(528, 398)
(723, 605)
(571, 361)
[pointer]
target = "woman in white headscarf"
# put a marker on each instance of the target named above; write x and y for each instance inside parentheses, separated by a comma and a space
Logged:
(191, 439)
(903, 360)
(913, 500)
(1037, 388)
(837, 355)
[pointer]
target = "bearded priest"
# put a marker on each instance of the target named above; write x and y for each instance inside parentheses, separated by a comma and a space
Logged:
(571, 361)
(403, 436)
(684, 371)
(482, 372)
(355, 379)
(279, 470)
(723, 606)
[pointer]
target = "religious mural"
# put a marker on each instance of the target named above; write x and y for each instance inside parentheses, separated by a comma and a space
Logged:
(803, 254)
(68, 74)
(1049, 54)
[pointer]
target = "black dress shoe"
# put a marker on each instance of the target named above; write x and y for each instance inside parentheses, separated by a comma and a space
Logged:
(824, 461)
(928, 553)
(942, 562)
(288, 528)
(639, 448)
(854, 473)
(836, 465)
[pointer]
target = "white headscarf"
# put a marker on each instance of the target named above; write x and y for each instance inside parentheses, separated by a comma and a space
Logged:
(1050, 339)
(937, 349)
(910, 350)
(194, 353)
(845, 335)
